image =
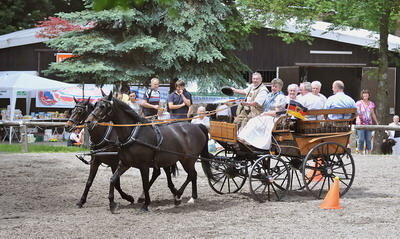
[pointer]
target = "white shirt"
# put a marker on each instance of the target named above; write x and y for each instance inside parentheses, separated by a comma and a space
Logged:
(322, 97)
(205, 121)
(223, 110)
(74, 137)
(311, 102)
(164, 115)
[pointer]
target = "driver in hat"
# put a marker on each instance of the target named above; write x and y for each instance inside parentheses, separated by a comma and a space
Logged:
(256, 94)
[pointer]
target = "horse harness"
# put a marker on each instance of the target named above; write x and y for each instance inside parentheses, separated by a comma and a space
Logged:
(105, 139)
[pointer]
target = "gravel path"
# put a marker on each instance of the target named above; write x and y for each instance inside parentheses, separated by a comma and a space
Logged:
(38, 193)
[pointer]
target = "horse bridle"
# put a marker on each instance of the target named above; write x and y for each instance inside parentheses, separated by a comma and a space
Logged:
(97, 113)
(84, 109)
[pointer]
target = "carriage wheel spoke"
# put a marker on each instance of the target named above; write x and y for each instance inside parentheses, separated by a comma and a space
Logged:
(283, 181)
(223, 183)
(322, 187)
(343, 182)
(261, 184)
(276, 193)
(315, 185)
(233, 179)
(218, 179)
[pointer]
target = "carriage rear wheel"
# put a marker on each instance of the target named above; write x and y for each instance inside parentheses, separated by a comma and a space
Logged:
(323, 163)
(269, 179)
(227, 176)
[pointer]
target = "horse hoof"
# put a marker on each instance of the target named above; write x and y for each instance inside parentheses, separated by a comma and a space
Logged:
(113, 207)
(144, 209)
(191, 201)
(130, 199)
(140, 200)
(178, 201)
(79, 204)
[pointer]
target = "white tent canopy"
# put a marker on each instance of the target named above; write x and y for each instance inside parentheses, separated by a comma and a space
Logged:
(25, 82)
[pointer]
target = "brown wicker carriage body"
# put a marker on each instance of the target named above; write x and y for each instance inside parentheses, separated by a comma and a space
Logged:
(305, 154)
(298, 137)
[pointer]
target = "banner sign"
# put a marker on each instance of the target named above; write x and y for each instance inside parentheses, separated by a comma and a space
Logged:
(164, 92)
(64, 98)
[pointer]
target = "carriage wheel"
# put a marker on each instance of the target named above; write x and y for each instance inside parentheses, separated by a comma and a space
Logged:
(269, 179)
(323, 163)
(296, 177)
(226, 177)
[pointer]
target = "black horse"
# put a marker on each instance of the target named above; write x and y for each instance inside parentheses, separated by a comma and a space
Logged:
(102, 139)
(151, 146)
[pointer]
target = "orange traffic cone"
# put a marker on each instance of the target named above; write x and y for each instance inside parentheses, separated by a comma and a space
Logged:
(331, 200)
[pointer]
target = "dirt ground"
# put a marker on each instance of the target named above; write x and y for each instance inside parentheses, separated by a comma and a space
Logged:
(38, 193)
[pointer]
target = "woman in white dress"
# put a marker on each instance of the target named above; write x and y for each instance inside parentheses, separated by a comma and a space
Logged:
(258, 130)
(395, 135)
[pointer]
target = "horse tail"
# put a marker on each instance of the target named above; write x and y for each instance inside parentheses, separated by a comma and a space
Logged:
(206, 165)
(204, 152)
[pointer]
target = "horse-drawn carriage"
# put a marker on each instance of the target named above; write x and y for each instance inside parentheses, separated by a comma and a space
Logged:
(304, 155)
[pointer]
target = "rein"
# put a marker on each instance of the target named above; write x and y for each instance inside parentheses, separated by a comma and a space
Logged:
(166, 121)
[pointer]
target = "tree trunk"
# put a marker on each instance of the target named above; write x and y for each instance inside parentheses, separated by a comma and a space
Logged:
(382, 92)
(397, 31)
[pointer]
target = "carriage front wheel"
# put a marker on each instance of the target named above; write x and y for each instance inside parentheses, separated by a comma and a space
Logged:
(269, 179)
(323, 163)
(225, 174)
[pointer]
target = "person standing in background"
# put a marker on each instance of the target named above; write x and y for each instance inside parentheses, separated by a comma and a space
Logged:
(365, 116)
(179, 101)
(151, 99)
(134, 103)
(395, 135)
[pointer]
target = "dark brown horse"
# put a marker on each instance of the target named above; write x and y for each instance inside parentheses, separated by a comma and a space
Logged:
(102, 139)
(151, 146)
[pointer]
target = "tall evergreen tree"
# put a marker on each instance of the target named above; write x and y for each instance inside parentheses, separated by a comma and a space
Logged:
(193, 40)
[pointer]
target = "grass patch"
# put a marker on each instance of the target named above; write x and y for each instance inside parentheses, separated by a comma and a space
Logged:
(35, 148)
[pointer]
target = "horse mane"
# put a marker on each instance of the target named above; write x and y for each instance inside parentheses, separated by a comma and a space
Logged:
(127, 109)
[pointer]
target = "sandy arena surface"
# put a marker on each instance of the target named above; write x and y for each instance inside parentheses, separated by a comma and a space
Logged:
(38, 193)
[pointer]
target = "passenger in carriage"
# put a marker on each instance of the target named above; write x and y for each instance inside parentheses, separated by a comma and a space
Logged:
(310, 101)
(339, 101)
(292, 90)
(255, 96)
(316, 88)
(223, 112)
(302, 92)
(201, 117)
(257, 132)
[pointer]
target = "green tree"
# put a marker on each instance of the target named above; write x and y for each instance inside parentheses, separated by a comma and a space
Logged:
(193, 40)
(377, 15)
(21, 14)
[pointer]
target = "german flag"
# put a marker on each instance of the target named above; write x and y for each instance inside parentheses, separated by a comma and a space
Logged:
(296, 109)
